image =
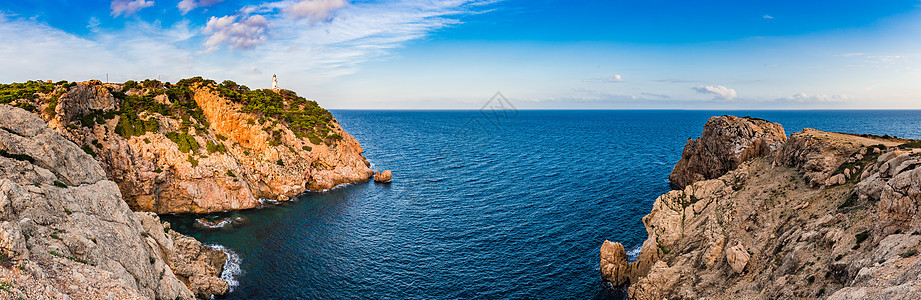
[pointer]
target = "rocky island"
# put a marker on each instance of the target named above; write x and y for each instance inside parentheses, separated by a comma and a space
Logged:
(759, 215)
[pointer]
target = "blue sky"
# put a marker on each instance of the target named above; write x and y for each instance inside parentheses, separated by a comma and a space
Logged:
(413, 54)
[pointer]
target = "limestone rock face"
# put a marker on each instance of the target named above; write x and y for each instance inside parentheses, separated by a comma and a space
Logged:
(726, 142)
(68, 226)
(385, 176)
(229, 160)
(779, 227)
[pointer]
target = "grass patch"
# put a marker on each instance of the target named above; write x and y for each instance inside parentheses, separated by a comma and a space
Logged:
(60, 184)
(909, 253)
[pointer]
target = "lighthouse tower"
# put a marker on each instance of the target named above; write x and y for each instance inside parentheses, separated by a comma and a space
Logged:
(274, 82)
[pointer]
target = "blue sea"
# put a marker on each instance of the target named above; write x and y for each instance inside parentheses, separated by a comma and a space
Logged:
(492, 204)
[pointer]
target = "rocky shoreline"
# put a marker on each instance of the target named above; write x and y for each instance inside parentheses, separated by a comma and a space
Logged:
(762, 216)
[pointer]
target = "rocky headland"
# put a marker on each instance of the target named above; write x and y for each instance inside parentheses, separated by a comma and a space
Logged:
(198, 146)
(67, 233)
(759, 215)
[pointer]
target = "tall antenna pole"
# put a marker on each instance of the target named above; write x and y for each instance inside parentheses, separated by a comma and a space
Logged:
(107, 77)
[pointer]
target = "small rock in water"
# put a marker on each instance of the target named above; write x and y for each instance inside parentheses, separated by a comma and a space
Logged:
(384, 177)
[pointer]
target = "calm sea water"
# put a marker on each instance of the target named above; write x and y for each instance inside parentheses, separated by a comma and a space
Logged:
(486, 206)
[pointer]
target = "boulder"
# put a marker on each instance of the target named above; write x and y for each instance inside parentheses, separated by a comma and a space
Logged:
(737, 257)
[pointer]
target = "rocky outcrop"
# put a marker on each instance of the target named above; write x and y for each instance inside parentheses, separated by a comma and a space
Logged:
(778, 227)
(726, 142)
(384, 177)
(65, 231)
(196, 265)
(198, 147)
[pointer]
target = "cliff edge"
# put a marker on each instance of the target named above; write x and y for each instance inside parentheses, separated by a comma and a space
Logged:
(726, 142)
(826, 215)
(197, 146)
(66, 232)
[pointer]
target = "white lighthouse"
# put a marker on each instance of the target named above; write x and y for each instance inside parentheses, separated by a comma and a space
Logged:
(274, 82)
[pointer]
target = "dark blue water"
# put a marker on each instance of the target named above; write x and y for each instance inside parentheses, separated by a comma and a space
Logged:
(511, 205)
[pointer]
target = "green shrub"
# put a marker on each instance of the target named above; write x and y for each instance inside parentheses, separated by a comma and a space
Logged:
(909, 145)
(231, 174)
(306, 148)
(185, 141)
(193, 161)
(60, 184)
(910, 253)
(88, 150)
(280, 163)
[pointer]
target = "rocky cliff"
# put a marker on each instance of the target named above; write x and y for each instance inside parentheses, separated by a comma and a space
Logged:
(827, 215)
(726, 142)
(66, 232)
(198, 146)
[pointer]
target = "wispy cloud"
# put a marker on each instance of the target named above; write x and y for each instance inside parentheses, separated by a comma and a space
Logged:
(185, 6)
(672, 80)
(128, 7)
(660, 96)
(257, 40)
(615, 78)
(721, 92)
(806, 98)
(314, 10)
(767, 17)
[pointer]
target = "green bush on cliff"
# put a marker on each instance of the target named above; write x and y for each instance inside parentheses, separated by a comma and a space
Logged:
(185, 141)
(25, 90)
(302, 116)
(212, 147)
(193, 161)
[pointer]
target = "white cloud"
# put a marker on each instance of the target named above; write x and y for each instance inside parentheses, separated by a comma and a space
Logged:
(767, 17)
(721, 92)
(247, 33)
(852, 54)
(314, 10)
(128, 7)
(185, 6)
